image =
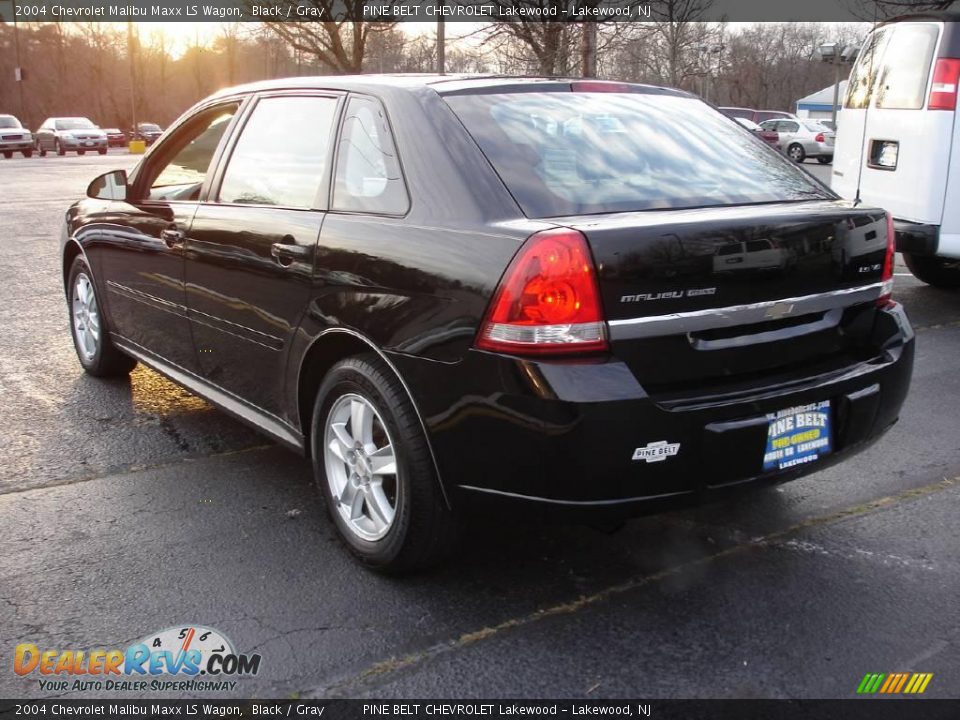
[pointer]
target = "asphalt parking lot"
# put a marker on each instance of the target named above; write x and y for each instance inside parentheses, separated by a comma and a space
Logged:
(131, 506)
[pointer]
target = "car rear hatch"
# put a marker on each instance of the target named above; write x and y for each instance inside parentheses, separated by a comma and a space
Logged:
(726, 298)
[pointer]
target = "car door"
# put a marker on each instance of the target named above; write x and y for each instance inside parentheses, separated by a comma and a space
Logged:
(141, 255)
(789, 132)
(251, 249)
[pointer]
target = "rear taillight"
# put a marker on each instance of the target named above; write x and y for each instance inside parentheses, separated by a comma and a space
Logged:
(886, 289)
(547, 301)
(819, 137)
(943, 89)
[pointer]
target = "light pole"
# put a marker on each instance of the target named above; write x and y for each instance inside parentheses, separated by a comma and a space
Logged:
(837, 55)
(711, 50)
(18, 71)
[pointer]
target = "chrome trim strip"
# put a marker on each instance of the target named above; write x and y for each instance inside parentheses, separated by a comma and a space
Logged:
(575, 503)
(733, 315)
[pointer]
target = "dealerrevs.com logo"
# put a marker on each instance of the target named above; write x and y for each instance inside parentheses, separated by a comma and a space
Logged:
(172, 659)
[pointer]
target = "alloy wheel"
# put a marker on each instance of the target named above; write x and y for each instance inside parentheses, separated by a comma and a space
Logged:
(361, 467)
(86, 317)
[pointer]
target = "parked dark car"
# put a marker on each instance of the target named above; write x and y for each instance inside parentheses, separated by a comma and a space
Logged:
(455, 294)
(148, 132)
(757, 116)
(65, 134)
(116, 137)
(14, 137)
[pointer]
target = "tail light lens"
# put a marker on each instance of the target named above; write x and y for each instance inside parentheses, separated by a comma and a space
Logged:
(547, 301)
(943, 89)
(819, 137)
(886, 278)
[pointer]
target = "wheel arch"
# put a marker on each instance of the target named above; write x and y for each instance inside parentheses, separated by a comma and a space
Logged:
(71, 251)
(326, 350)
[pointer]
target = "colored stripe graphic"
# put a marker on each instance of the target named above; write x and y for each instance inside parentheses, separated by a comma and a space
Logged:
(894, 683)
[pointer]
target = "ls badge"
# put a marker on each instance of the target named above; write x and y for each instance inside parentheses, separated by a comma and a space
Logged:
(656, 451)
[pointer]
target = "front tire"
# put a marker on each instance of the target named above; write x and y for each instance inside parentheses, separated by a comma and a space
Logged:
(796, 153)
(91, 337)
(27, 153)
(102, 151)
(375, 471)
(59, 148)
(936, 271)
(7, 154)
(825, 160)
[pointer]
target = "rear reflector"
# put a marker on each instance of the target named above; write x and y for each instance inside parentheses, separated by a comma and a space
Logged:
(886, 289)
(943, 89)
(547, 301)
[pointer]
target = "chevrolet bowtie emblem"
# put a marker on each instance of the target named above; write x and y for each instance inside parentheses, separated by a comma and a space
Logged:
(779, 310)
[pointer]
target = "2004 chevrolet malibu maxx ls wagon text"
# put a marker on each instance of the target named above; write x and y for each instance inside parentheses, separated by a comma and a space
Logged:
(552, 294)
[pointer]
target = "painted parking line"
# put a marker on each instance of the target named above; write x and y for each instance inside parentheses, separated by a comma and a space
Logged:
(392, 665)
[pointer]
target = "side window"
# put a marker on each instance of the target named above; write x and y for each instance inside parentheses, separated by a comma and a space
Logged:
(282, 155)
(187, 155)
(903, 77)
(865, 70)
(368, 177)
(789, 127)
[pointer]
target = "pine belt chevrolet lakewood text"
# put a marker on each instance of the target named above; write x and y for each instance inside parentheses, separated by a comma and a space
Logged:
(555, 295)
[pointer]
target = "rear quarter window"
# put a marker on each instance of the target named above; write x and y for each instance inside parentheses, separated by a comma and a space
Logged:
(584, 153)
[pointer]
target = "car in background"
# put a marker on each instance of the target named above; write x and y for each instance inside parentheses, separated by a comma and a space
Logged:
(899, 142)
(64, 134)
(802, 139)
(14, 137)
(148, 132)
(757, 116)
(115, 137)
(455, 292)
(829, 124)
(768, 136)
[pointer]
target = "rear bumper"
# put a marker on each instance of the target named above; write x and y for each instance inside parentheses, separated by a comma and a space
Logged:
(916, 238)
(550, 436)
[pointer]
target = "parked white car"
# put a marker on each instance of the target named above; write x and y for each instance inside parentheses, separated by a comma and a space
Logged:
(14, 137)
(801, 139)
(899, 142)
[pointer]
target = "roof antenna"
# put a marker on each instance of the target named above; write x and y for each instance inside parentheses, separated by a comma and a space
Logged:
(866, 114)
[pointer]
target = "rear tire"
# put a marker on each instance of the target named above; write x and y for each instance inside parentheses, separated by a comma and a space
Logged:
(825, 160)
(81, 152)
(7, 154)
(91, 336)
(936, 271)
(59, 148)
(102, 151)
(27, 153)
(392, 522)
(41, 149)
(796, 153)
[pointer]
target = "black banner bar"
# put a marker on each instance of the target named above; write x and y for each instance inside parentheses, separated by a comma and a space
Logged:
(139, 709)
(449, 10)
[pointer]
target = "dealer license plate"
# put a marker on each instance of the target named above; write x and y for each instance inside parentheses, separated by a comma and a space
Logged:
(797, 436)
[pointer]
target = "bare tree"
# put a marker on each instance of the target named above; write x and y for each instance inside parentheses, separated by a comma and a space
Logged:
(338, 43)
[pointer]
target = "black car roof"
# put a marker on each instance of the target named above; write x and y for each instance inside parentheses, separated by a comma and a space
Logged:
(443, 84)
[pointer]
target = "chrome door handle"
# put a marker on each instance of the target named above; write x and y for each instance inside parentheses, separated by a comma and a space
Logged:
(172, 237)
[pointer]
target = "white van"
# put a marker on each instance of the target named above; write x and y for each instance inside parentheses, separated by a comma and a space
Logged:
(898, 143)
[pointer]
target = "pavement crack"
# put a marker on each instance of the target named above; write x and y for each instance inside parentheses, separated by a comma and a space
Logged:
(392, 665)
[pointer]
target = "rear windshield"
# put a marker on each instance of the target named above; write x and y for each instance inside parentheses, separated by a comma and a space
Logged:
(573, 154)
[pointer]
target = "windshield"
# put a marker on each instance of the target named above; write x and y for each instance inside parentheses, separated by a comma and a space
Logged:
(9, 122)
(149, 127)
(74, 124)
(748, 124)
(570, 154)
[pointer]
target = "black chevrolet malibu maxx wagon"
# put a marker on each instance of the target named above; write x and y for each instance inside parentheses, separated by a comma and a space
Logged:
(446, 291)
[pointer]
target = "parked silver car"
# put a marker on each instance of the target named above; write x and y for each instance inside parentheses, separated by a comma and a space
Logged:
(70, 133)
(14, 137)
(800, 139)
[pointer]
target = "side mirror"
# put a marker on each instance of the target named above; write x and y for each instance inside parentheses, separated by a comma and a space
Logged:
(109, 186)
